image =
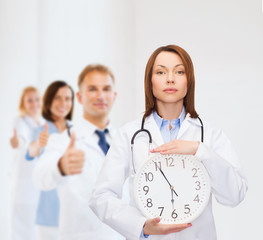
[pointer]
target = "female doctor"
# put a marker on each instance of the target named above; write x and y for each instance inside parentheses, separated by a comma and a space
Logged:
(24, 195)
(171, 118)
(57, 110)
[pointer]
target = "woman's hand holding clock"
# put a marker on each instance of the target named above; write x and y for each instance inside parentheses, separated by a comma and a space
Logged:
(187, 200)
(178, 147)
(153, 227)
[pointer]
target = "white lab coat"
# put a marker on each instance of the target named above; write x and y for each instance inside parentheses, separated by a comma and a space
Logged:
(24, 195)
(216, 153)
(77, 221)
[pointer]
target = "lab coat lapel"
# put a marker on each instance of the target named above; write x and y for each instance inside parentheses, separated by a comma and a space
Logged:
(151, 125)
(188, 121)
(84, 131)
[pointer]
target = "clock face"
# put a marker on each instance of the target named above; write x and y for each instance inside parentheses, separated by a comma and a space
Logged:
(174, 187)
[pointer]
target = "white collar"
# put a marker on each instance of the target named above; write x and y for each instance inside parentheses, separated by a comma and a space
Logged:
(88, 129)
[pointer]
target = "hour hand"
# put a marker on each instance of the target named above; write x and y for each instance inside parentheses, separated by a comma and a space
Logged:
(172, 200)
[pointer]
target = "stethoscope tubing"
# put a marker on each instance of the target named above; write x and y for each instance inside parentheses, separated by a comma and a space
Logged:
(150, 137)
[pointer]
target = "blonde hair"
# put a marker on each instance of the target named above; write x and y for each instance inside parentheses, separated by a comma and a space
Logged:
(95, 67)
(25, 91)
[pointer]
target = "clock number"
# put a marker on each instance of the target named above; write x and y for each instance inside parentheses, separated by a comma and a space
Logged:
(149, 202)
(183, 163)
(186, 207)
(195, 171)
(169, 162)
(157, 165)
(198, 187)
(148, 176)
(174, 215)
(197, 198)
(162, 208)
(146, 189)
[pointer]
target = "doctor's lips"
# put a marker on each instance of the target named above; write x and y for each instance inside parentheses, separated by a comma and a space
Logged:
(170, 90)
(100, 104)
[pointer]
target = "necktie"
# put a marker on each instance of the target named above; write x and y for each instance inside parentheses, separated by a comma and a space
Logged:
(102, 140)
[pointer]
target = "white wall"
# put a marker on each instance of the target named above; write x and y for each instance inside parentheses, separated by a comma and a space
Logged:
(42, 41)
(18, 68)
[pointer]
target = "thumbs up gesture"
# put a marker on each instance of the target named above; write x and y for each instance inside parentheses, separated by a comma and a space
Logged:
(43, 137)
(72, 161)
(14, 141)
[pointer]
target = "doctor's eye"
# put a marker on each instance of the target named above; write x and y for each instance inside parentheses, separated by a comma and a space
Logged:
(91, 89)
(180, 72)
(107, 89)
(160, 73)
(57, 98)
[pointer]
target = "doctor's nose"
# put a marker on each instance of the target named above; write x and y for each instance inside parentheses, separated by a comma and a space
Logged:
(170, 79)
(100, 94)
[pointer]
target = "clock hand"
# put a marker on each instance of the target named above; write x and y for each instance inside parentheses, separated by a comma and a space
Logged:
(171, 187)
(172, 200)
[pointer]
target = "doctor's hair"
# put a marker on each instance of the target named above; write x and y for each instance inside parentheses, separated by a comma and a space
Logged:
(95, 68)
(150, 100)
(49, 96)
(25, 91)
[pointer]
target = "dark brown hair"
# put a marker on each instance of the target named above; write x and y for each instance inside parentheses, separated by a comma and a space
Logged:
(49, 96)
(95, 67)
(150, 100)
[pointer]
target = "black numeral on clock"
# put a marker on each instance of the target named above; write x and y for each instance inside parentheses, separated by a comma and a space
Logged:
(146, 189)
(174, 215)
(198, 186)
(162, 208)
(149, 202)
(183, 163)
(148, 176)
(197, 198)
(158, 166)
(195, 171)
(187, 209)
(169, 162)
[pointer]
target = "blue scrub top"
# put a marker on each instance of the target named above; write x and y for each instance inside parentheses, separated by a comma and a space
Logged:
(48, 206)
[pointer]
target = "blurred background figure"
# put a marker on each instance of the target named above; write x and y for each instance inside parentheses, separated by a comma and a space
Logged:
(57, 110)
(24, 196)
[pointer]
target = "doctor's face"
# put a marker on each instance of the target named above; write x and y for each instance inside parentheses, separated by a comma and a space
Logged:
(97, 95)
(61, 103)
(169, 81)
(32, 103)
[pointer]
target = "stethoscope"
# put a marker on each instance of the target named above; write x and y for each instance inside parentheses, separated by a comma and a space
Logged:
(150, 137)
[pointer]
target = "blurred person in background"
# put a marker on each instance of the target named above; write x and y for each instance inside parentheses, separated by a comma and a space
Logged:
(71, 164)
(24, 196)
(57, 110)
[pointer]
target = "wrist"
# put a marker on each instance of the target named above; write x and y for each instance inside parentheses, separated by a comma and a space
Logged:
(196, 146)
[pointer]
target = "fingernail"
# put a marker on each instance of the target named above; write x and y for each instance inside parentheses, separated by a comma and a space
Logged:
(189, 225)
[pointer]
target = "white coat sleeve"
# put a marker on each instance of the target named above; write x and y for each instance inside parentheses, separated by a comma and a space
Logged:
(228, 184)
(106, 200)
(46, 174)
(23, 138)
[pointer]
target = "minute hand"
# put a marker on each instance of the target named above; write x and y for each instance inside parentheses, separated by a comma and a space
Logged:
(171, 187)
